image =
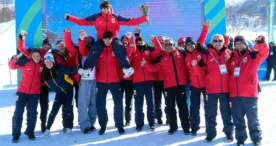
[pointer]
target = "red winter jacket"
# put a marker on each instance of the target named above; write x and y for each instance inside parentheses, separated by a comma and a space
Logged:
(107, 67)
(215, 81)
(107, 22)
(68, 60)
(246, 84)
(24, 49)
(31, 75)
(196, 74)
(141, 73)
(130, 50)
(173, 66)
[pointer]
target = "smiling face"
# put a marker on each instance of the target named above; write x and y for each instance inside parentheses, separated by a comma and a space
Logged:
(36, 57)
(217, 42)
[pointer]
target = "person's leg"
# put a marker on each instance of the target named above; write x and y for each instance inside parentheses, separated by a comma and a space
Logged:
(101, 91)
(17, 118)
(92, 111)
(128, 100)
(44, 106)
(211, 107)
(56, 106)
(139, 92)
(274, 69)
(69, 104)
(32, 113)
(158, 99)
(118, 104)
(183, 108)
(170, 101)
(195, 108)
(120, 53)
(251, 110)
(94, 54)
(83, 102)
(150, 102)
(268, 70)
(226, 113)
(238, 113)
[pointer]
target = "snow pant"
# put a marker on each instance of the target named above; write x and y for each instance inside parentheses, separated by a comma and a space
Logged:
(211, 106)
(241, 106)
(65, 100)
(31, 102)
(177, 95)
(97, 48)
(127, 89)
(188, 95)
(44, 105)
(158, 91)
(87, 112)
(271, 65)
(142, 89)
(195, 106)
(115, 89)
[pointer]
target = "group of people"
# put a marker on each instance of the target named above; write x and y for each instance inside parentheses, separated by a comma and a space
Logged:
(129, 67)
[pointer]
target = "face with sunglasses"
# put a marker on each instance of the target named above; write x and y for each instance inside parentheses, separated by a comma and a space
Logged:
(168, 45)
(217, 42)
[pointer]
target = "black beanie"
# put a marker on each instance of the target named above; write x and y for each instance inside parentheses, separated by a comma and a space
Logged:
(240, 38)
(46, 41)
(124, 37)
(189, 40)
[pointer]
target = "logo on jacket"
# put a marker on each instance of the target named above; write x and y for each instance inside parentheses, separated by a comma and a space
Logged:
(70, 55)
(28, 68)
(198, 57)
(40, 69)
(113, 54)
(113, 20)
(147, 52)
(244, 60)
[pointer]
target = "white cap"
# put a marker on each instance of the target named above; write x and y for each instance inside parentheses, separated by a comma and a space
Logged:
(49, 56)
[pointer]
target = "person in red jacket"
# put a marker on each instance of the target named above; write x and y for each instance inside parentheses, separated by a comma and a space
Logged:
(196, 75)
(44, 92)
(216, 63)
(243, 87)
(27, 93)
(108, 78)
(172, 63)
(143, 81)
(107, 21)
(126, 83)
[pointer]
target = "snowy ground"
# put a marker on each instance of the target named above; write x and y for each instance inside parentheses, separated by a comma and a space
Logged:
(267, 112)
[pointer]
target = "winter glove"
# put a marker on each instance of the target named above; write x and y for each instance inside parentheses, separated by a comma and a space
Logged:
(128, 72)
(144, 9)
(253, 54)
(201, 63)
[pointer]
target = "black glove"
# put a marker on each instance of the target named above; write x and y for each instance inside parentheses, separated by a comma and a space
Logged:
(201, 63)
(253, 54)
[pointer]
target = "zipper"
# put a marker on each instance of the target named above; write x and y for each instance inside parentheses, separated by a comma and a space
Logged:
(32, 80)
(141, 54)
(56, 83)
(106, 66)
(106, 22)
(175, 69)
(220, 75)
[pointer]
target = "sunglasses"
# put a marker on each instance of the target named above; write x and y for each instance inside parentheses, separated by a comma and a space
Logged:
(215, 41)
(181, 43)
(168, 45)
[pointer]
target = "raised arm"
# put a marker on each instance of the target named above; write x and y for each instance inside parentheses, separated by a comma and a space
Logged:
(69, 43)
(90, 20)
(21, 44)
(204, 32)
(131, 21)
(261, 49)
